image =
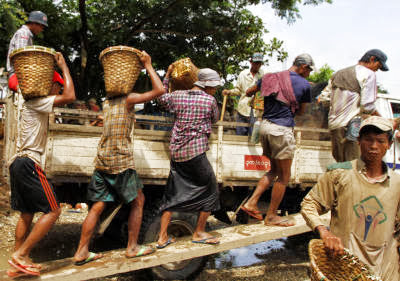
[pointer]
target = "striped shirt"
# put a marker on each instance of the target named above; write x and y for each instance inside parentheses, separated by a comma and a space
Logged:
(115, 149)
(22, 37)
(194, 112)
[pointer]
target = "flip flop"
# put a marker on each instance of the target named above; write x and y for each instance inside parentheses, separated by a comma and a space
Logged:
(282, 223)
(142, 252)
(24, 268)
(205, 241)
(169, 241)
(255, 214)
(16, 274)
(92, 257)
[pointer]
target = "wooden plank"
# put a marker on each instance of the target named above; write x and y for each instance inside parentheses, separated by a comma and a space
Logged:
(115, 262)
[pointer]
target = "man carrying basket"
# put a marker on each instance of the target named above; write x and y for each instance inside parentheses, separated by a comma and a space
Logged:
(30, 190)
(115, 177)
(363, 196)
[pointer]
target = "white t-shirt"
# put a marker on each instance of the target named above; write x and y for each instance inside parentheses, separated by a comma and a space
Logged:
(345, 105)
(34, 123)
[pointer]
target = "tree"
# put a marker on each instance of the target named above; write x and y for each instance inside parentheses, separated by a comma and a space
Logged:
(215, 34)
(322, 75)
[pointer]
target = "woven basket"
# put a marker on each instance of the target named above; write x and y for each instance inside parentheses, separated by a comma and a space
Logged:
(34, 67)
(336, 268)
(184, 74)
(122, 67)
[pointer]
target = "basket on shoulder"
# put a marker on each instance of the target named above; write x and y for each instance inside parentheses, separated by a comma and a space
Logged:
(34, 67)
(337, 268)
(122, 66)
(183, 75)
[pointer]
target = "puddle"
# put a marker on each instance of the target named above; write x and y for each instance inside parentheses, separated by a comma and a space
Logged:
(285, 250)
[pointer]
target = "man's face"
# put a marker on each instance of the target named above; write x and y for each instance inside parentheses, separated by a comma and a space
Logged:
(37, 28)
(255, 66)
(374, 146)
(305, 70)
(374, 64)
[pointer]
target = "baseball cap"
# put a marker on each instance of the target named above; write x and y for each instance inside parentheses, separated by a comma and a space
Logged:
(208, 78)
(380, 56)
(38, 17)
(304, 59)
(377, 121)
(257, 57)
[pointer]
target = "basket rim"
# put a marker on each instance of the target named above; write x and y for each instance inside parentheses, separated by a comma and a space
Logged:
(119, 48)
(33, 48)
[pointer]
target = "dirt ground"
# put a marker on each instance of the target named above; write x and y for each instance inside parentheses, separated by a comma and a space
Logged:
(288, 263)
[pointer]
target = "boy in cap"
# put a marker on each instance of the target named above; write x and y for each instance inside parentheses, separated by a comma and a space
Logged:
(285, 94)
(363, 196)
(115, 177)
(30, 190)
(352, 93)
(191, 186)
(246, 79)
(23, 37)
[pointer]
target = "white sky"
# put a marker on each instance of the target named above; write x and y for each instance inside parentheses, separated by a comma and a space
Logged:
(338, 34)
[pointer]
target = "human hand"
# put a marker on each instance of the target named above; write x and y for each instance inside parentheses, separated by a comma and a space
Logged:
(60, 60)
(332, 243)
(226, 92)
(145, 59)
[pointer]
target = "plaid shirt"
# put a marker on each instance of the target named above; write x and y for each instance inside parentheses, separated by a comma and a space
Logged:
(22, 37)
(194, 112)
(115, 149)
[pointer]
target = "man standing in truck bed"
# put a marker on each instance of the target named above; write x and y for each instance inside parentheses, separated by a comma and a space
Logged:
(352, 93)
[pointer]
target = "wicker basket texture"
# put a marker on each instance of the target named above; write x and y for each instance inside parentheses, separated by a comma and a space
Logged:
(336, 268)
(183, 75)
(34, 67)
(122, 67)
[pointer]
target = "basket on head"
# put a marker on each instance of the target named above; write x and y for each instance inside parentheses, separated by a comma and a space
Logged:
(122, 67)
(184, 74)
(34, 67)
(339, 268)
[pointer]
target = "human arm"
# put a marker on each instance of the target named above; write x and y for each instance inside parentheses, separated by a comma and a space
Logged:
(157, 85)
(68, 94)
(318, 201)
(167, 77)
(367, 81)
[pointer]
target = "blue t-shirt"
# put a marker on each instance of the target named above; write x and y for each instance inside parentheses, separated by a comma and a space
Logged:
(279, 113)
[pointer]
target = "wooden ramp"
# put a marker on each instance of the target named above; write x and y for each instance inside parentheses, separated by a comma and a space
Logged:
(114, 262)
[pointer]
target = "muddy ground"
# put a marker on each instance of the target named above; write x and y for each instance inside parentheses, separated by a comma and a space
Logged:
(289, 261)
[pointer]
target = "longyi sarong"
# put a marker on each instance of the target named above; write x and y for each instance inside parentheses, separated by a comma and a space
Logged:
(191, 187)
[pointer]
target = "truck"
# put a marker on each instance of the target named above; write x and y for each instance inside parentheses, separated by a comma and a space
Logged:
(237, 162)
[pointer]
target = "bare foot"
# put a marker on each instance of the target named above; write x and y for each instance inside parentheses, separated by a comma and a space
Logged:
(278, 221)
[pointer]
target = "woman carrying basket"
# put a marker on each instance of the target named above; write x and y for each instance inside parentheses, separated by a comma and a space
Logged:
(191, 186)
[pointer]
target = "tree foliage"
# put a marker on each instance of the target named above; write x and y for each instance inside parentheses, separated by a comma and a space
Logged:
(215, 34)
(322, 75)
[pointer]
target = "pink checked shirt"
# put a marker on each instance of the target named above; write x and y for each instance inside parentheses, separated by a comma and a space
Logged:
(194, 112)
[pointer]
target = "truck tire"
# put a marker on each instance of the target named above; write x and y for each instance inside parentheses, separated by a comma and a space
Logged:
(182, 224)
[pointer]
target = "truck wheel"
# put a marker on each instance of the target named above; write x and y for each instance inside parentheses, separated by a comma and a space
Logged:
(182, 224)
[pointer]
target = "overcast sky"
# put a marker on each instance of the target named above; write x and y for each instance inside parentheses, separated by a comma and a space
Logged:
(338, 34)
